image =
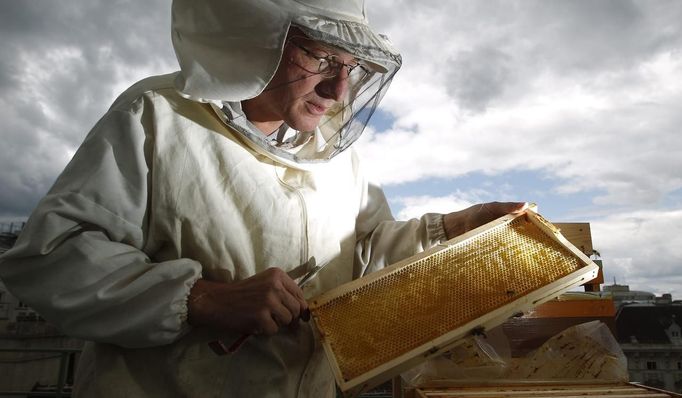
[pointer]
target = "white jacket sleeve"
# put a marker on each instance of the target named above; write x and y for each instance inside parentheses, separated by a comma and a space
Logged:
(382, 241)
(79, 261)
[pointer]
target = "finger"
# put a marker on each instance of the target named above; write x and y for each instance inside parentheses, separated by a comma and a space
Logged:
(292, 287)
(291, 303)
(299, 306)
(266, 324)
(499, 209)
(281, 315)
(285, 287)
(297, 293)
(519, 206)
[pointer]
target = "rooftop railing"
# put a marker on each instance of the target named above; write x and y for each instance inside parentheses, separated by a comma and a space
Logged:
(62, 388)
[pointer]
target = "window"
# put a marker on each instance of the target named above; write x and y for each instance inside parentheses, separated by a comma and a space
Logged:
(679, 366)
(675, 333)
(651, 365)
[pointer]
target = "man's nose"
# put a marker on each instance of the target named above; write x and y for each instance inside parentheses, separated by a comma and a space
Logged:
(334, 88)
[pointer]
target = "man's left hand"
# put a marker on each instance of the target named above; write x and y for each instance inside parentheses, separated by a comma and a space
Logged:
(459, 222)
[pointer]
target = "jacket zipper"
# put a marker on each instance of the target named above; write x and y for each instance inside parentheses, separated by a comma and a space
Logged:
(304, 218)
(304, 225)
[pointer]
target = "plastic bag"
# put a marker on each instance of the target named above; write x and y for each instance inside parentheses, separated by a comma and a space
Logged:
(472, 358)
(584, 351)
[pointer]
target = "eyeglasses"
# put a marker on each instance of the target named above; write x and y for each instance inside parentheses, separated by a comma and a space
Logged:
(328, 65)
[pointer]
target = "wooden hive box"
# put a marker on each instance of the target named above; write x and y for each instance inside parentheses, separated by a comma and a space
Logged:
(554, 389)
(380, 325)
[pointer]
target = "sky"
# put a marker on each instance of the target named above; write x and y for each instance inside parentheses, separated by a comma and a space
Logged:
(573, 105)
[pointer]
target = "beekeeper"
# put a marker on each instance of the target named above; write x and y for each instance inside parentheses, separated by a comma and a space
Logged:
(200, 196)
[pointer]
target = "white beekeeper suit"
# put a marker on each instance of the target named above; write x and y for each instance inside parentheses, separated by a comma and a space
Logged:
(172, 185)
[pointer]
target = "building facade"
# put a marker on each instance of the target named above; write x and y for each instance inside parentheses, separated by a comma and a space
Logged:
(650, 337)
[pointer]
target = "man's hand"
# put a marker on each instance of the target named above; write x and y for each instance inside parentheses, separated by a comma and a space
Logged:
(261, 304)
(462, 221)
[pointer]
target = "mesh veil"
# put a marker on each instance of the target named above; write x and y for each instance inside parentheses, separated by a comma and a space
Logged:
(338, 129)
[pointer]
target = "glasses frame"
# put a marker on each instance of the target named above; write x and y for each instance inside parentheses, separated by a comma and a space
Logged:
(331, 70)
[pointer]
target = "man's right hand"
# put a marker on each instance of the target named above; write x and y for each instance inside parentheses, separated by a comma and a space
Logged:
(261, 304)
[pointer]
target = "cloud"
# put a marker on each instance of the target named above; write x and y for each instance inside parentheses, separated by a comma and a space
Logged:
(642, 249)
(416, 206)
(586, 92)
(476, 77)
(62, 66)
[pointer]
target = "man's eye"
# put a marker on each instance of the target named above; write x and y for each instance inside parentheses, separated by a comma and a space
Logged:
(319, 54)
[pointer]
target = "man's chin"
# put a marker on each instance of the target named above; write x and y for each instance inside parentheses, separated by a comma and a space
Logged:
(305, 125)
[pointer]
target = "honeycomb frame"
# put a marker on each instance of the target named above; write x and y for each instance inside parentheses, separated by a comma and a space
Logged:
(382, 324)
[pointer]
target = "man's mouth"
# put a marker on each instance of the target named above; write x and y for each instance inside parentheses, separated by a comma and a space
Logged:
(316, 109)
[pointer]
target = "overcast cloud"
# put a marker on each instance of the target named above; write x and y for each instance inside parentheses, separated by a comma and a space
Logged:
(582, 97)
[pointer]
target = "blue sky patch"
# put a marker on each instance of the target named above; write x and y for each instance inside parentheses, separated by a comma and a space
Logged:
(530, 186)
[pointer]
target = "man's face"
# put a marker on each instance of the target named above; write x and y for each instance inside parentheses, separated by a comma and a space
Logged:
(298, 94)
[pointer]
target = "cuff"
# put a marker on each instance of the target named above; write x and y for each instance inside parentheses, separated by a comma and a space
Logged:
(182, 306)
(435, 228)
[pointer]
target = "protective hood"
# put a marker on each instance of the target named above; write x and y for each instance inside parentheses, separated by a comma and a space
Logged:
(229, 50)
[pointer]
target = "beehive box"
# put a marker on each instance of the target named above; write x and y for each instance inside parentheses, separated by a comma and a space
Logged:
(555, 389)
(377, 326)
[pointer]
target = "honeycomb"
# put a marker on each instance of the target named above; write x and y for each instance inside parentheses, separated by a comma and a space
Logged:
(379, 321)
